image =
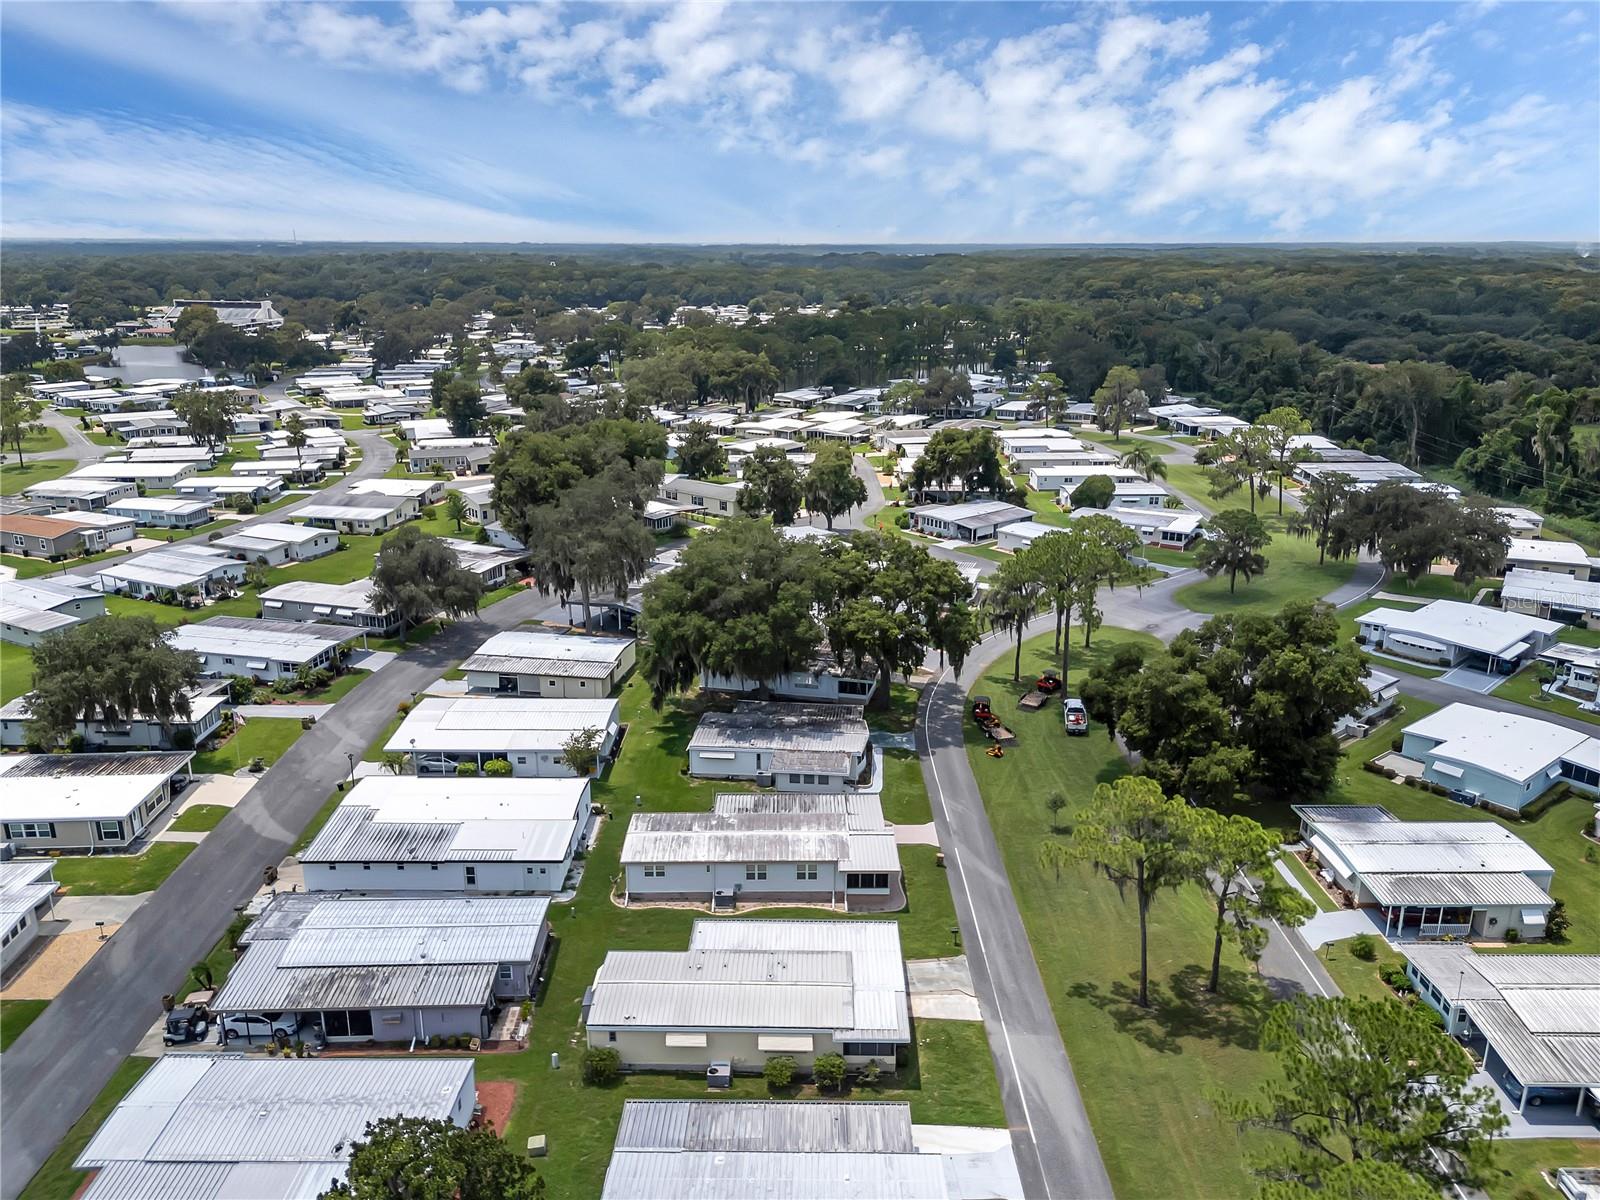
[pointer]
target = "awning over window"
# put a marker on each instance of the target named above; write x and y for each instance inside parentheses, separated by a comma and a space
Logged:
(789, 1044)
(718, 755)
(687, 1040)
(256, 666)
(1533, 916)
(1447, 770)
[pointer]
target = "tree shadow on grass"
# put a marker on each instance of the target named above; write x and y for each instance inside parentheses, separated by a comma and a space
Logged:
(1181, 1008)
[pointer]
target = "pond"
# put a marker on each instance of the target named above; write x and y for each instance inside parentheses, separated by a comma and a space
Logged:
(134, 364)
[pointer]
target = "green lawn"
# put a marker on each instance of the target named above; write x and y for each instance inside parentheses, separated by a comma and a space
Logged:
(905, 797)
(1432, 587)
(1292, 574)
(1518, 1166)
(1318, 894)
(56, 1180)
(263, 737)
(901, 714)
(16, 671)
(14, 478)
(42, 441)
(121, 874)
(29, 568)
(1044, 508)
(1524, 688)
(199, 818)
(1147, 1072)
(17, 1015)
(1355, 976)
(1193, 484)
(1166, 556)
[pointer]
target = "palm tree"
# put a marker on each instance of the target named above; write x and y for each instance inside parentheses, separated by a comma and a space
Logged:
(1013, 599)
(455, 508)
(1145, 461)
(1549, 444)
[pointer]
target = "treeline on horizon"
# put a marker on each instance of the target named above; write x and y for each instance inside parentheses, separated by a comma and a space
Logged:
(1481, 359)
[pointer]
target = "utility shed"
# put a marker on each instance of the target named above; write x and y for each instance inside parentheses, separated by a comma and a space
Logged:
(226, 1127)
(533, 663)
(800, 747)
(450, 834)
(391, 969)
(735, 1149)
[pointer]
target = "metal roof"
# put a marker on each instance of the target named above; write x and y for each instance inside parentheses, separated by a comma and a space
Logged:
(527, 652)
(1472, 626)
(498, 724)
(292, 641)
(702, 1175)
(881, 1127)
(1426, 847)
(206, 1108)
(790, 727)
(355, 596)
(1514, 747)
(264, 981)
(1540, 1012)
(438, 820)
(82, 787)
(863, 810)
(1457, 889)
(700, 837)
(726, 989)
(1343, 812)
(24, 884)
(213, 1181)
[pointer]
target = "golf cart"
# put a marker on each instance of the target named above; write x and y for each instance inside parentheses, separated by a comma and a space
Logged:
(186, 1023)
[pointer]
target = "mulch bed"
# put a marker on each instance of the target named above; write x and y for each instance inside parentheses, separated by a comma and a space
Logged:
(498, 1098)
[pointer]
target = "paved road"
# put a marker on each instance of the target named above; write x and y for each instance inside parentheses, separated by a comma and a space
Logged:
(79, 448)
(70, 1052)
(1054, 1144)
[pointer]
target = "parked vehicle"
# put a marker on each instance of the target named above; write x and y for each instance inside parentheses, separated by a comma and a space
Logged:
(1075, 716)
(983, 714)
(1049, 682)
(186, 1023)
(260, 1027)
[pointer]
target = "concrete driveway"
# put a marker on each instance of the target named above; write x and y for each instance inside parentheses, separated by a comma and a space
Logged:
(1482, 682)
(1328, 927)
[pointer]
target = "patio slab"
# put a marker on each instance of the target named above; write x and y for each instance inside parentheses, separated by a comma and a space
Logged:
(941, 989)
(1328, 927)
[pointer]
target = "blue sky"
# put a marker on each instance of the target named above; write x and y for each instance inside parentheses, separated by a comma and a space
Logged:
(767, 122)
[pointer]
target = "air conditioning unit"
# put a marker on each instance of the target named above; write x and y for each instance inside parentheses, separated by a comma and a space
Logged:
(719, 1075)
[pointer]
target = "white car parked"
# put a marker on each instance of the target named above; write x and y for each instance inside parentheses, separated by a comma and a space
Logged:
(260, 1027)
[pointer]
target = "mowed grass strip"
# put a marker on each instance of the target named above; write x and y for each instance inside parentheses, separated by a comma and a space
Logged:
(1145, 1074)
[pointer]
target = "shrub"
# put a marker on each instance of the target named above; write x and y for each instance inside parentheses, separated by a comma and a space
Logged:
(1411, 781)
(1512, 937)
(1396, 743)
(779, 1071)
(902, 519)
(284, 686)
(1394, 975)
(497, 768)
(403, 707)
(75, 743)
(1389, 772)
(1364, 948)
(272, 1049)
(828, 1071)
(183, 739)
(871, 1072)
(1369, 765)
(307, 722)
(435, 1042)
(466, 770)
(601, 1066)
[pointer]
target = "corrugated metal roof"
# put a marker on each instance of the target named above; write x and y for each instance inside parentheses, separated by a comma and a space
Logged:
(882, 1127)
(721, 1006)
(498, 724)
(206, 1108)
(1536, 1059)
(1539, 970)
(872, 852)
(1456, 889)
(262, 981)
(214, 1181)
(863, 810)
(1343, 812)
(530, 652)
(251, 635)
(703, 1175)
(80, 766)
(1419, 847)
(789, 727)
(1557, 1010)
(740, 837)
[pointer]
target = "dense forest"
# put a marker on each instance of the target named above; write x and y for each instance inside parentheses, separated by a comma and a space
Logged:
(1483, 361)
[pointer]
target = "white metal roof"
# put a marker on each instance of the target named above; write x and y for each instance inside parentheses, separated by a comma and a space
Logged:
(279, 531)
(752, 724)
(227, 1108)
(977, 512)
(1457, 889)
(82, 787)
(1471, 626)
(498, 724)
(252, 637)
(532, 652)
(701, 837)
(24, 883)
(410, 819)
(44, 594)
(355, 596)
(863, 811)
(1429, 847)
(158, 504)
(1541, 550)
(1551, 587)
(740, 1175)
(1506, 744)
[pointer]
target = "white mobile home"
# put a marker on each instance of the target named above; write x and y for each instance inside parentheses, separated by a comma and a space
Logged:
(170, 571)
(366, 514)
(81, 495)
(164, 512)
(1501, 759)
(825, 682)
(441, 733)
(799, 747)
(764, 847)
(31, 608)
(132, 731)
(1553, 597)
(978, 521)
(463, 456)
(396, 969)
(261, 649)
(219, 490)
(27, 897)
(85, 803)
(746, 990)
(1449, 633)
(533, 663)
(152, 475)
(451, 834)
(1556, 558)
(278, 542)
(335, 603)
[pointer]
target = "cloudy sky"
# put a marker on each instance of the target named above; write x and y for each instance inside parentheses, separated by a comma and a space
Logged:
(771, 122)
